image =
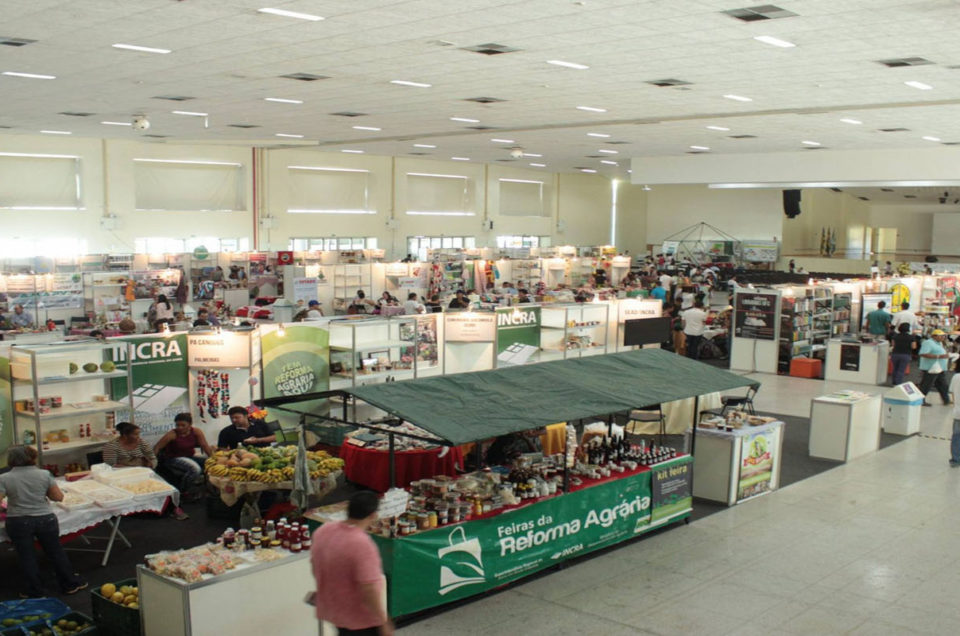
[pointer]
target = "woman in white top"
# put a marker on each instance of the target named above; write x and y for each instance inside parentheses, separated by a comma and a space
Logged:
(362, 304)
(161, 310)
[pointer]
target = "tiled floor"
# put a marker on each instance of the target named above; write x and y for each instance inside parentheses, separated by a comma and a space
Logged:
(870, 547)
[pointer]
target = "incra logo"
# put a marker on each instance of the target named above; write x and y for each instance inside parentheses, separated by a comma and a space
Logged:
(567, 552)
(516, 318)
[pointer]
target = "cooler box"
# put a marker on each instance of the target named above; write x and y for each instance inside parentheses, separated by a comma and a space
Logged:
(901, 409)
(806, 368)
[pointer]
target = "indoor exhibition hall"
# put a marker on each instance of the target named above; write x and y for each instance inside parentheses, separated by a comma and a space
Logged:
(479, 317)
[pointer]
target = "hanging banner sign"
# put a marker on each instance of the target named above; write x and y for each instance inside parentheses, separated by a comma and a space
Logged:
(296, 361)
(160, 382)
(305, 289)
(469, 326)
(518, 334)
(633, 309)
(224, 350)
(755, 316)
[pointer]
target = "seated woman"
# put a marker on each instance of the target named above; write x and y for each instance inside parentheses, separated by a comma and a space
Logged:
(176, 453)
(129, 450)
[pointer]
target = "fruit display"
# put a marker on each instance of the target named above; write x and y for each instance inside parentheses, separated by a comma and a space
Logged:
(108, 367)
(43, 625)
(268, 465)
(126, 595)
(73, 368)
(91, 367)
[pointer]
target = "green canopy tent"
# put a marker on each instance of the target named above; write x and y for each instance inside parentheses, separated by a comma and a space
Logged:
(468, 407)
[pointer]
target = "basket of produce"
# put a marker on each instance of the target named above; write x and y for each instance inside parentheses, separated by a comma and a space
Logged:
(116, 608)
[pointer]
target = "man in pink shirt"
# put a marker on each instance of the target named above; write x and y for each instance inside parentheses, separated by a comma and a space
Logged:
(346, 565)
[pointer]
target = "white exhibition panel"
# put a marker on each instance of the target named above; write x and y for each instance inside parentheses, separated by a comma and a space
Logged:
(872, 361)
(841, 430)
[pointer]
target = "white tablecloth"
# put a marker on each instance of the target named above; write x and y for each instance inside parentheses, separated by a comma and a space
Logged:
(76, 520)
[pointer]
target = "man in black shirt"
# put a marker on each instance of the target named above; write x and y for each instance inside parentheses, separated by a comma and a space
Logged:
(459, 301)
(242, 431)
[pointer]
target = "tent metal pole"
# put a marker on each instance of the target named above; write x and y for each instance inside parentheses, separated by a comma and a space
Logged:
(693, 431)
(478, 454)
(393, 463)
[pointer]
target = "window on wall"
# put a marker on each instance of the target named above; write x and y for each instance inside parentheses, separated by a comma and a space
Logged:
(318, 190)
(332, 244)
(165, 185)
(165, 245)
(520, 241)
(439, 194)
(39, 182)
(418, 245)
(521, 197)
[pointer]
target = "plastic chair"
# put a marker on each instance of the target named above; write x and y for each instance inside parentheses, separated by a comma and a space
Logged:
(744, 402)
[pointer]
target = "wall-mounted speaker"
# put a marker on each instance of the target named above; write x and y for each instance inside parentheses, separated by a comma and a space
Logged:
(791, 203)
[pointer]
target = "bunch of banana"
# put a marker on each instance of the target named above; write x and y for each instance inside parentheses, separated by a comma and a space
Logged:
(272, 476)
(287, 473)
(237, 474)
(217, 470)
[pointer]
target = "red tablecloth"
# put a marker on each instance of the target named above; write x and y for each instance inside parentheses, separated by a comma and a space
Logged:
(371, 468)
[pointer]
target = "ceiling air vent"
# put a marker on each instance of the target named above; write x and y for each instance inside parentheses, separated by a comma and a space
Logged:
(484, 100)
(305, 77)
(904, 61)
(762, 12)
(742, 136)
(894, 130)
(174, 98)
(669, 82)
(70, 113)
(491, 49)
(6, 41)
(243, 125)
(348, 113)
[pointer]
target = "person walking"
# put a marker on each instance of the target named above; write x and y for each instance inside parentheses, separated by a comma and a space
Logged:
(694, 324)
(955, 438)
(933, 362)
(29, 519)
(877, 322)
(348, 572)
(903, 344)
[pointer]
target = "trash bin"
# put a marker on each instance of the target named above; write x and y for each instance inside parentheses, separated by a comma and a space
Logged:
(901, 409)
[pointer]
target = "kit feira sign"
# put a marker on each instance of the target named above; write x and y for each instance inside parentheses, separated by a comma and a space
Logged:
(518, 334)
(160, 382)
(454, 562)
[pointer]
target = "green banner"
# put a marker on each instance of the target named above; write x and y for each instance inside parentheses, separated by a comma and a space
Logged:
(6, 412)
(160, 382)
(296, 360)
(518, 334)
(454, 562)
(757, 458)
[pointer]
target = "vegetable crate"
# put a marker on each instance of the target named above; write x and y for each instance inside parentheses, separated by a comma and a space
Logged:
(114, 619)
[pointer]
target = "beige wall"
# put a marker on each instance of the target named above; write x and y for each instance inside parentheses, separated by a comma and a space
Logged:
(824, 208)
(914, 228)
(632, 218)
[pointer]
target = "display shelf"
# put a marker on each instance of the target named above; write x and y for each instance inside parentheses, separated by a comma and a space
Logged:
(351, 340)
(371, 344)
(76, 392)
(62, 447)
(86, 377)
(68, 410)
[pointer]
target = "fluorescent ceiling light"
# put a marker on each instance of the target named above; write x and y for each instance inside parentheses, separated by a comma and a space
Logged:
(700, 147)
(848, 120)
(116, 123)
(291, 14)
(591, 109)
(318, 211)
(609, 152)
(931, 138)
(424, 146)
(601, 135)
(373, 128)
(29, 75)
(919, 85)
(609, 163)
(421, 213)
(56, 132)
(769, 39)
(460, 158)
(288, 135)
(439, 176)
(189, 113)
(409, 83)
(521, 181)
(590, 170)
(810, 143)
(720, 128)
(281, 100)
(142, 49)
(352, 152)
(326, 169)
(579, 67)
(503, 141)
(190, 161)
(531, 154)
(738, 98)
(539, 165)
(34, 155)
(465, 120)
